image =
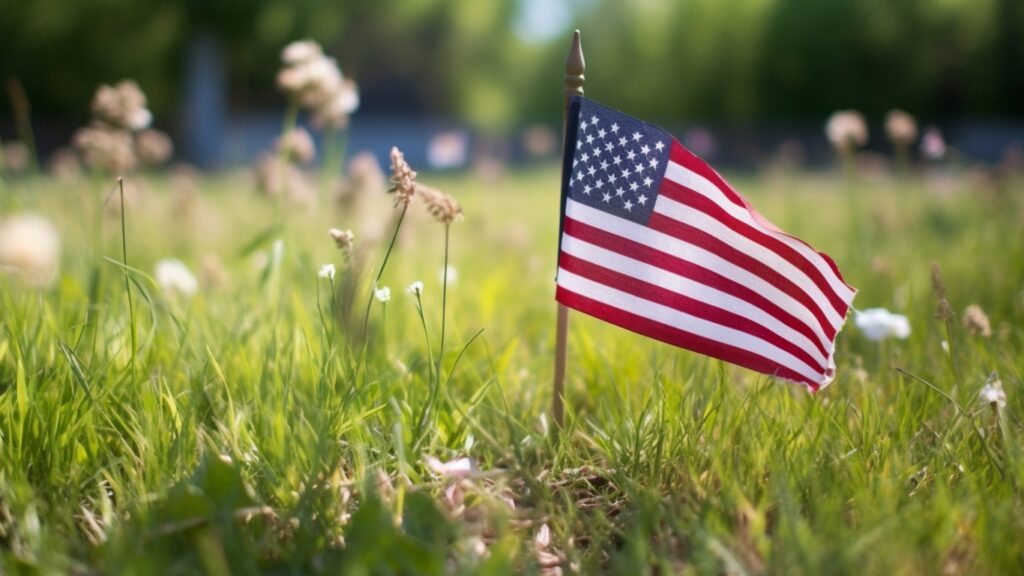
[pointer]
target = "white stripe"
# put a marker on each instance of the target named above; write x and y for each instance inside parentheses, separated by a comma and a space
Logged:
(689, 288)
(685, 177)
(692, 253)
(701, 221)
(682, 321)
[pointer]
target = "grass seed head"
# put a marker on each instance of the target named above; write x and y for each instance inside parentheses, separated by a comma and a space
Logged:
(441, 206)
(976, 321)
(403, 178)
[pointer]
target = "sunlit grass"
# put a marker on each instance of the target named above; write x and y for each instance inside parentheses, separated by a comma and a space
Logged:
(249, 435)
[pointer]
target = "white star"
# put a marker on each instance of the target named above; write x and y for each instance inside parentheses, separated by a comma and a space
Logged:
(583, 125)
(590, 138)
(629, 156)
(609, 147)
(575, 161)
(660, 145)
(596, 151)
(619, 191)
(653, 162)
(637, 136)
(591, 170)
(642, 200)
(639, 168)
(648, 181)
(601, 133)
(645, 149)
(628, 205)
(622, 141)
(585, 157)
(617, 160)
(593, 120)
(599, 183)
(604, 164)
(633, 187)
(586, 189)
(607, 197)
(615, 128)
(625, 173)
(571, 180)
(612, 178)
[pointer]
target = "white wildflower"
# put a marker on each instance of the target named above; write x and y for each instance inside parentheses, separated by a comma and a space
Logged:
(327, 271)
(174, 277)
(301, 51)
(416, 288)
(993, 393)
(30, 248)
(900, 127)
(449, 274)
(459, 468)
(879, 324)
(382, 294)
(846, 129)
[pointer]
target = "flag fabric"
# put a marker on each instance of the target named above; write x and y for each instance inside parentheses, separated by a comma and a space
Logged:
(655, 241)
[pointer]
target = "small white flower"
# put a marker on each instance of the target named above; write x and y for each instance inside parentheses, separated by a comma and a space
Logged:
(879, 324)
(382, 294)
(174, 277)
(449, 274)
(30, 248)
(416, 288)
(993, 393)
(327, 271)
(459, 468)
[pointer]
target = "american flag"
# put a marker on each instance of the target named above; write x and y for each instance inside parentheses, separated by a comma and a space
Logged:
(655, 241)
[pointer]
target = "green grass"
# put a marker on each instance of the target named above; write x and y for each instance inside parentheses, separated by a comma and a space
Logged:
(247, 435)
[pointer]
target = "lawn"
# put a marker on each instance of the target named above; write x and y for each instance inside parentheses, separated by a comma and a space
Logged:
(255, 427)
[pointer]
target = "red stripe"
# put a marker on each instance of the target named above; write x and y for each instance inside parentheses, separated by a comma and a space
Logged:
(712, 244)
(680, 155)
(686, 196)
(680, 338)
(690, 270)
(685, 304)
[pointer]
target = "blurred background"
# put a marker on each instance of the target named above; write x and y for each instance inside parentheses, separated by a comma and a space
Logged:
(740, 82)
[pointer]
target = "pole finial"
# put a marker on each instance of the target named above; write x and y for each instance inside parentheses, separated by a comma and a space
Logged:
(574, 68)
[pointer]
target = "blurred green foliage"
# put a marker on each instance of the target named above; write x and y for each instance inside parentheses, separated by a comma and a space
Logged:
(731, 61)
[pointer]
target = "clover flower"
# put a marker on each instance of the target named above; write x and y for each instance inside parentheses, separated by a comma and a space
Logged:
(333, 113)
(456, 469)
(933, 145)
(878, 324)
(382, 294)
(416, 288)
(327, 271)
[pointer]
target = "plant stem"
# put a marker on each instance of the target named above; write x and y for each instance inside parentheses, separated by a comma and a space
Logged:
(444, 299)
(124, 268)
(380, 273)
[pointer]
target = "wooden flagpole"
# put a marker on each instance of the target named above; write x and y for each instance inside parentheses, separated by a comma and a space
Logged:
(574, 67)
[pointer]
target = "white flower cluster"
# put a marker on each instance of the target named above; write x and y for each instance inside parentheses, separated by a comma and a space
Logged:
(314, 80)
(847, 130)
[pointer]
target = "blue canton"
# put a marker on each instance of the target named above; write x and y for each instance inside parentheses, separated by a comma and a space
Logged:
(618, 163)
